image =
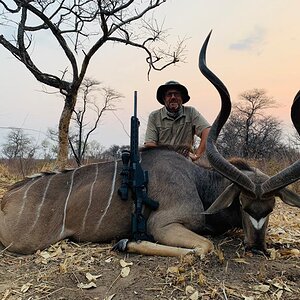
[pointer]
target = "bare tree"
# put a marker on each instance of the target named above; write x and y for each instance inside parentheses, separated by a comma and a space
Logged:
(114, 152)
(81, 28)
(249, 132)
(18, 145)
(84, 129)
(48, 149)
(94, 150)
(20, 148)
(295, 140)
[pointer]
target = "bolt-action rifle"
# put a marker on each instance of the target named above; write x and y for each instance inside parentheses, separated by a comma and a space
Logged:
(134, 177)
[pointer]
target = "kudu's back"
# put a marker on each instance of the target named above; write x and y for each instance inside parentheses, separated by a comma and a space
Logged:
(80, 203)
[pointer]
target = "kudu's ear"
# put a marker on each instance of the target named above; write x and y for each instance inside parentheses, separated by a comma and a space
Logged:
(289, 197)
(224, 200)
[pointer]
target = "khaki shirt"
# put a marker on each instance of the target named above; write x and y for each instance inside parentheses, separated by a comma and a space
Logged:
(164, 130)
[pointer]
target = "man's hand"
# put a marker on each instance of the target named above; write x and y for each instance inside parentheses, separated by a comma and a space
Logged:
(193, 156)
(150, 144)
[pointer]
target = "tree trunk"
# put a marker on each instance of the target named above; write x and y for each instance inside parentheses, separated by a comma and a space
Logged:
(63, 131)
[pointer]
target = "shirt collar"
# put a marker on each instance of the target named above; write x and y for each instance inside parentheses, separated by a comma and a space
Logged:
(165, 115)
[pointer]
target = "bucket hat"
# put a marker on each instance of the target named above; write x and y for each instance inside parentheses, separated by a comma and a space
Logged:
(160, 94)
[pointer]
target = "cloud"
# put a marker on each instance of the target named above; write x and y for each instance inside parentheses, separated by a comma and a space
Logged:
(250, 42)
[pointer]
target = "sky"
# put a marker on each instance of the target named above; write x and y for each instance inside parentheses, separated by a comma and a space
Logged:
(254, 44)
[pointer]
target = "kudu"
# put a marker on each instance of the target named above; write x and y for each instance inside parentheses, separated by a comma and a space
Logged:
(83, 204)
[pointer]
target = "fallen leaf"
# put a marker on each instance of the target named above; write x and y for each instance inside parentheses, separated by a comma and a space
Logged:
(45, 254)
(261, 288)
(173, 270)
(295, 252)
(189, 290)
(124, 264)
(70, 254)
(279, 294)
(58, 251)
(241, 261)
(87, 285)
(194, 296)
(108, 260)
(290, 252)
(220, 255)
(125, 272)
(25, 287)
(201, 279)
(109, 297)
(180, 279)
(63, 267)
(273, 254)
(91, 277)
(281, 286)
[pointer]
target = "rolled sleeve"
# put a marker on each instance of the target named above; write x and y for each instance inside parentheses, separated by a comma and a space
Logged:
(151, 131)
(200, 122)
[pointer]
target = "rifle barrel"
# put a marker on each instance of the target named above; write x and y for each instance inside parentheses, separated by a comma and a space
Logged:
(135, 104)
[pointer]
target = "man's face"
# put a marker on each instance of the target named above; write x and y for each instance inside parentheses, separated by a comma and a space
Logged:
(173, 100)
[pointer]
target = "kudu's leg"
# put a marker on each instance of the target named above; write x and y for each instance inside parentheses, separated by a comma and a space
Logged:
(175, 234)
(176, 239)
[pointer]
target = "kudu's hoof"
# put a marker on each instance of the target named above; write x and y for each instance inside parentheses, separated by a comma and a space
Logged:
(121, 245)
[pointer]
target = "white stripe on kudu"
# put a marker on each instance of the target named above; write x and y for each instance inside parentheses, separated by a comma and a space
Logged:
(39, 208)
(90, 198)
(66, 204)
(9, 193)
(110, 197)
(25, 198)
(257, 224)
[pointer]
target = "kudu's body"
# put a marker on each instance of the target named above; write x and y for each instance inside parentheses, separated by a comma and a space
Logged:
(83, 203)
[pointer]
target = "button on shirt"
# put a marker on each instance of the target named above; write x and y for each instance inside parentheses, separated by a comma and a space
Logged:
(164, 130)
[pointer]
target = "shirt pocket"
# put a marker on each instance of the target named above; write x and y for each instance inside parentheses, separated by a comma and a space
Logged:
(185, 134)
(164, 135)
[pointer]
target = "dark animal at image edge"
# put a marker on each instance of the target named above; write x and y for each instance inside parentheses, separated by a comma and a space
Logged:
(83, 204)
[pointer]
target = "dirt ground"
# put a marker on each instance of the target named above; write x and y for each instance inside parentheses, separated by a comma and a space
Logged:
(90, 271)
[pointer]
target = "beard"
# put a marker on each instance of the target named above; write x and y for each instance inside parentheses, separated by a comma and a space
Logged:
(173, 107)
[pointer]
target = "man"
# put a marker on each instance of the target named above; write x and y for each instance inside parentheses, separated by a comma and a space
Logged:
(175, 124)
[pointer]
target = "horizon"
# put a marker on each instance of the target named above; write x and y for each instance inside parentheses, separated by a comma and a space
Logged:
(253, 45)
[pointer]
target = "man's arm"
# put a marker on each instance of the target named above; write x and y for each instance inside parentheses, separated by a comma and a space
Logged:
(150, 144)
(202, 146)
(151, 135)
